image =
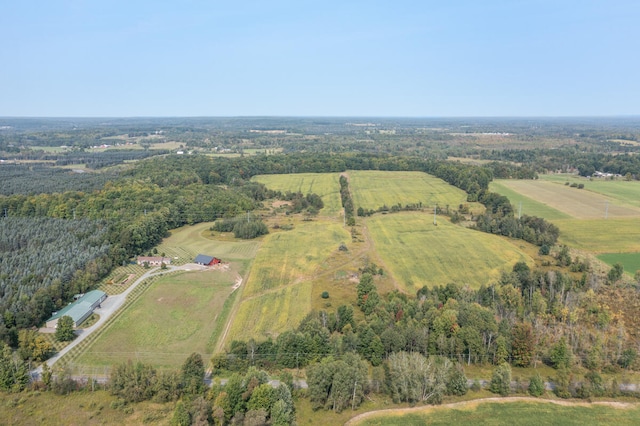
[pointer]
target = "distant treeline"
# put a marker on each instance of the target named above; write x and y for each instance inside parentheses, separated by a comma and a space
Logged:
(40, 179)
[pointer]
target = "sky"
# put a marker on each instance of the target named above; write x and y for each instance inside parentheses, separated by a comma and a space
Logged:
(459, 58)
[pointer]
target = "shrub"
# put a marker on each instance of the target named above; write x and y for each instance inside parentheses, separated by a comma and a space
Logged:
(325, 294)
(536, 385)
(501, 380)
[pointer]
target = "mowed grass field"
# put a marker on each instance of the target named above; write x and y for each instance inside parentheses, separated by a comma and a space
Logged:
(630, 261)
(174, 317)
(580, 213)
(373, 189)
(418, 253)
(507, 412)
(326, 185)
(277, 294)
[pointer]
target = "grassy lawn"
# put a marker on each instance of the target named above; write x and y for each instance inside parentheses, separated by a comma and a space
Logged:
(176, 316)
(630, 261)
(326, 185)
(418, 253)
(508, 413)
(373, 189)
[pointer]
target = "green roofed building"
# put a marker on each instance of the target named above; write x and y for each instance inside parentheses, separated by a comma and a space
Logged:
(79, 310)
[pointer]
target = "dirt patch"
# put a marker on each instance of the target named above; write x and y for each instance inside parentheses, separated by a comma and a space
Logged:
(280, 203)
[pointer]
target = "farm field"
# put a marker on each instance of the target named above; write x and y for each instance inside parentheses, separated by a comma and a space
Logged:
(418, 253)
(576, 203)
(630, 261)
(601, 236)
(326, 185)
(175, 316)
(530, 206)
(627, 193)
(277, 294)
(506, 412)
(373, 189)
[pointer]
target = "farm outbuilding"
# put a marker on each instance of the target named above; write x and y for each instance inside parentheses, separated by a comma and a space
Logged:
(203, 259)
(79, 310)
(153, 260)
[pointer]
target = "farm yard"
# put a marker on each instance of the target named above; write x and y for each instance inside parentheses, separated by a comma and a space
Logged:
(323, 184)
(418, 253)
(175, 316)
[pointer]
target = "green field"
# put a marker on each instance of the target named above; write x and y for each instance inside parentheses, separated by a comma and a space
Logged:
(326, 185)
(277, 294)
(525, 204)
(175, 316)
(373, 189)
(418, 253)
(601, 236)
(630, 261)
(532, 413)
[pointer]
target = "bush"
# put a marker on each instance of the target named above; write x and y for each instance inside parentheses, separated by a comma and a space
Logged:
(536, 385)
(325, 294)
(501, 380)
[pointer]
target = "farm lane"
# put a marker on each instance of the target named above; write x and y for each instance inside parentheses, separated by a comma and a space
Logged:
(106, 310)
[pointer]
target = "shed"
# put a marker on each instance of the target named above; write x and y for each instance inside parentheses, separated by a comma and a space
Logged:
(79, 310)
(203, 259)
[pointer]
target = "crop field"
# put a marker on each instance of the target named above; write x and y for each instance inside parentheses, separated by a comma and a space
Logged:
(290, 257)
(326, 185)
(175, 316)
(508, 412)
(277, 294)
(630, 261)
(627, 193)
(272, 313)
(577, 203)
(418, 253)
(373, 189)
(524, 204)
(601, 236)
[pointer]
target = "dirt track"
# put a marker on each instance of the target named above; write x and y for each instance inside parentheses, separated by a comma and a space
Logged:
(426, 408)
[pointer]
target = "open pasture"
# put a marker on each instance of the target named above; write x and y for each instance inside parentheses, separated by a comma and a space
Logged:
(600, 235)
(626, 193)
(630, 261)
(507, 412)
(175, 316)
(418, 253)
(277, 294)
(526, 205)
(373, 189)
(187, 242)
(272, 313)
(289, 257)
(577, 203)
(326, 185)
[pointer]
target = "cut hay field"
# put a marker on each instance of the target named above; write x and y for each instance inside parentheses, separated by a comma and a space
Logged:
(576, 203)
(277, 294)
(326, 185)
(508, 411)
(175, 316)
(629, 261)
(418, 253)
(373, 189)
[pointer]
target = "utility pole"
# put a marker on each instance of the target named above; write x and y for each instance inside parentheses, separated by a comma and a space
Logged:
(520, 210)
(435, 211)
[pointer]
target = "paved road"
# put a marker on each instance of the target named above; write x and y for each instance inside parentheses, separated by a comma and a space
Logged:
(108, 308)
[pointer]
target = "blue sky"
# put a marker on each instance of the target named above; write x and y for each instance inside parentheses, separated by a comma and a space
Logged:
(319, 58)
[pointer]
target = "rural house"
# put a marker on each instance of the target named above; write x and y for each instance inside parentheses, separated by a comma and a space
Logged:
(154, 260)
(203, 259)
(79, 310)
